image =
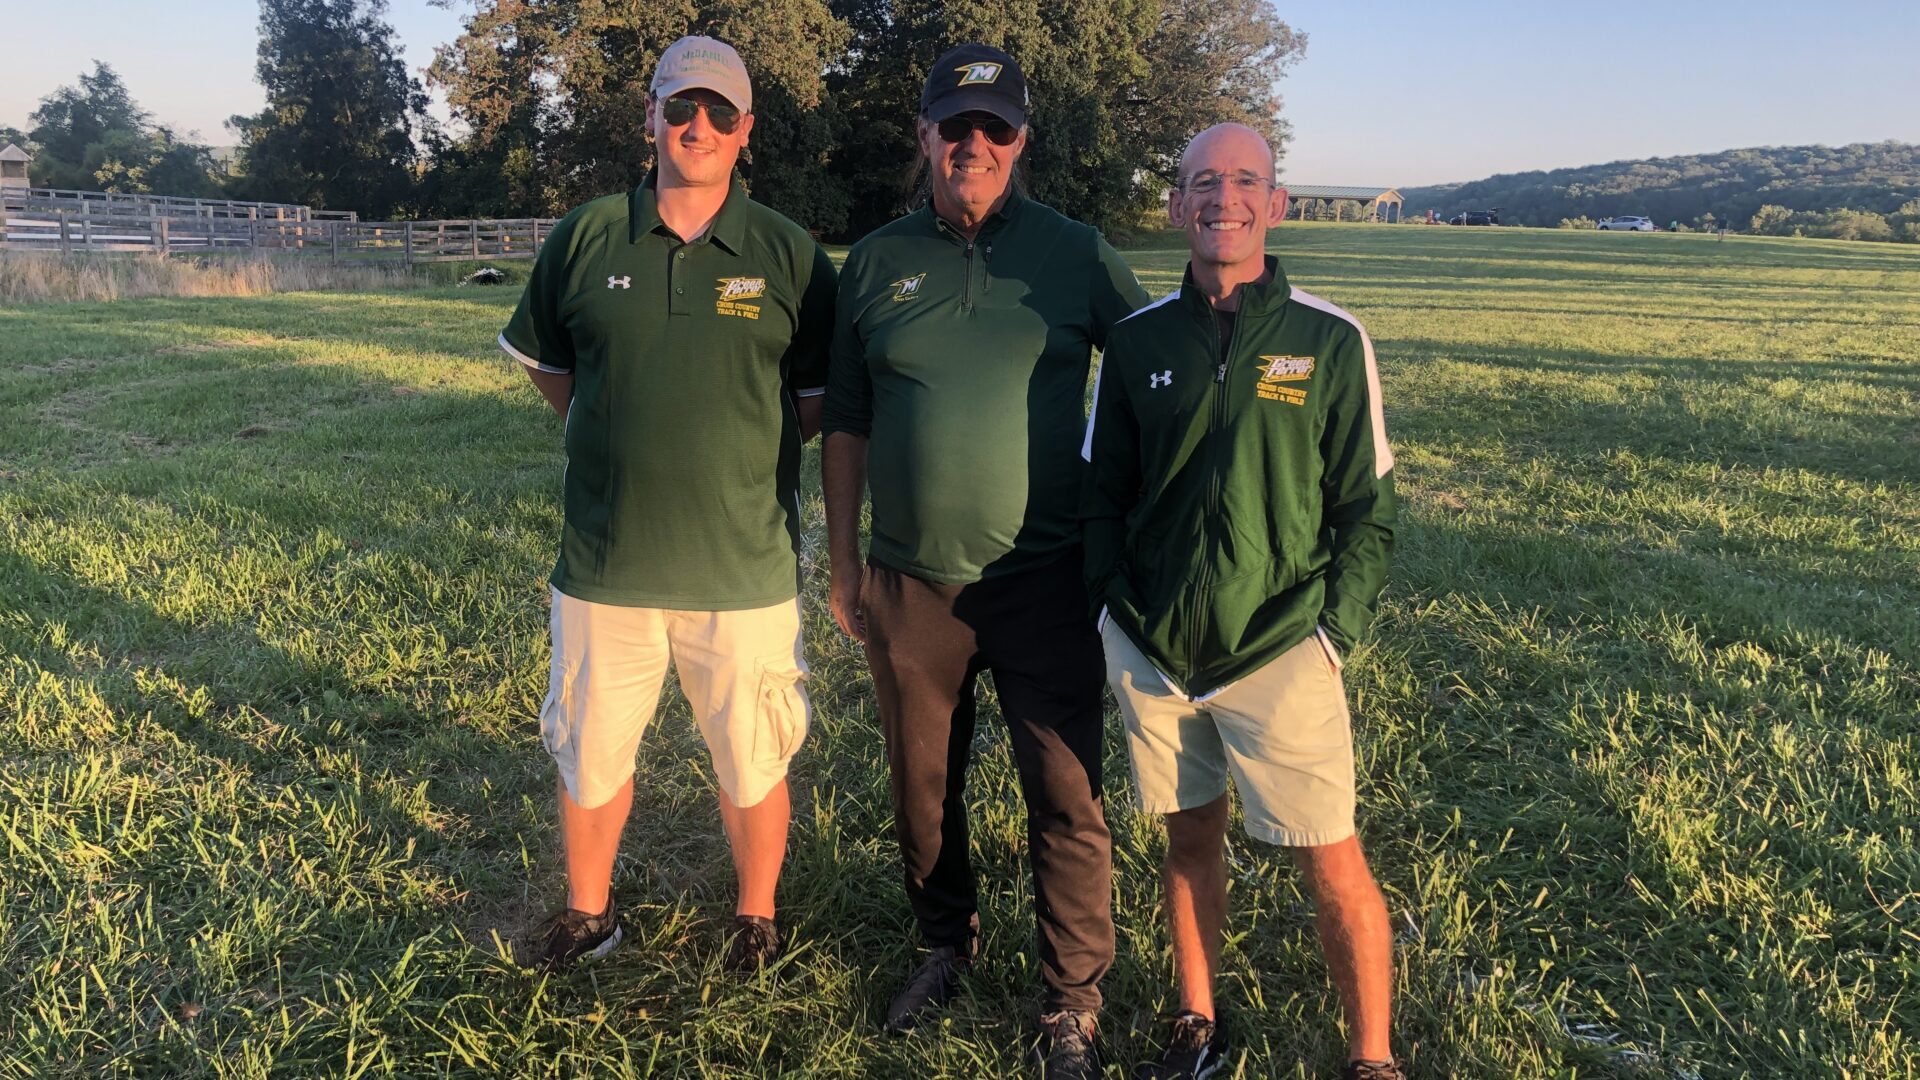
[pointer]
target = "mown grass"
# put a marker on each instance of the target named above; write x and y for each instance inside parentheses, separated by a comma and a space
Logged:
(1638, 734)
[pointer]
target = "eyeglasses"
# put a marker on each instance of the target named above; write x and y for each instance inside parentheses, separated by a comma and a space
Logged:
(678, 112)
(1207, 183)
(957, 129)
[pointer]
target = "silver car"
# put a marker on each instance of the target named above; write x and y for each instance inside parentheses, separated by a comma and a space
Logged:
(1626, 224)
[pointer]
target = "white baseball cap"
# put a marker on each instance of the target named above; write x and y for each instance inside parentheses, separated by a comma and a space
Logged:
(705, 64)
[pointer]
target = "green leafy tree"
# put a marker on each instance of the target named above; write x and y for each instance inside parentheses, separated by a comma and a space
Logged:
(1770, 220)
(553, 96)
(1118, 88)
(342, 112)
(94, 137)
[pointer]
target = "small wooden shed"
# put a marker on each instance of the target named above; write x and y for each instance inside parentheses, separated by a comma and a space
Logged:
(13, 167)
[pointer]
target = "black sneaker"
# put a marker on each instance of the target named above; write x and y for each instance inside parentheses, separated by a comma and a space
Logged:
(755, 945)
(569, 937)
(1195, 1049)
(1373, 1070)
(1065, 1050)
(931, 986)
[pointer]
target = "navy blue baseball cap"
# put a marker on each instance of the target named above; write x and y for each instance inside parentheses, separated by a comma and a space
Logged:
(975, 78)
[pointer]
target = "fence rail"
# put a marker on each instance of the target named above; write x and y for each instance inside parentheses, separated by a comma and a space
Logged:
(95, 226)
(109, 203)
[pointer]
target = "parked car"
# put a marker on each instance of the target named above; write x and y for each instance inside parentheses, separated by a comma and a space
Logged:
(1628, 223)
(1476, 217)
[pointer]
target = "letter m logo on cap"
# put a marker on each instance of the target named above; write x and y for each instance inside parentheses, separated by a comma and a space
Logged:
(978, 73)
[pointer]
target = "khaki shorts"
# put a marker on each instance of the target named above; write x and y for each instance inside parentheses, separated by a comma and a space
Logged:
(1283, 732)
(741, 671)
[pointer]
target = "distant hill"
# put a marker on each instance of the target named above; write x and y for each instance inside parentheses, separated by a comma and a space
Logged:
(1733, 184)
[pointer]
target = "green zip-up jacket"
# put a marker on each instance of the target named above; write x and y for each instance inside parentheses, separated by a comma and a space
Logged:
(1233, 508)
(965, 364)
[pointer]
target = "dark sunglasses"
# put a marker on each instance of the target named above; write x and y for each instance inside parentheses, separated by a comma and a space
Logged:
(957, 129)
(678, 112)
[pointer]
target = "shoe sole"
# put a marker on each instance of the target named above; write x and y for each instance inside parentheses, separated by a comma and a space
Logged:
(601, 950)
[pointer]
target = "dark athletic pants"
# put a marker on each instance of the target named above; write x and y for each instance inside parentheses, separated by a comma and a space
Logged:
(927, 644)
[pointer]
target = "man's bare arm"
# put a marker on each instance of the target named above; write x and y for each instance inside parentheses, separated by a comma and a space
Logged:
(556, 387)
(843, 480)
(809, 408)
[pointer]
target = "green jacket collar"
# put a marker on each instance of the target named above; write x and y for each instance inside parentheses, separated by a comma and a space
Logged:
(729, 227)
(994, 223)
(1255, 299)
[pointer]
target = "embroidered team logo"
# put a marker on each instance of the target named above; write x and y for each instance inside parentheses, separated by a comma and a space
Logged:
(619, 282)
(909, 287)
(734, 290)
(742, 288)
(1278, 371)
(977, 73)
(1158, 379)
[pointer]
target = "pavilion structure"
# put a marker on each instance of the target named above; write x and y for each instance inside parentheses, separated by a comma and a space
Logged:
(1321, 201)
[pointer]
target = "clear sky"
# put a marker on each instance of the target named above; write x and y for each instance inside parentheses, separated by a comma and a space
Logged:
(1391, 92)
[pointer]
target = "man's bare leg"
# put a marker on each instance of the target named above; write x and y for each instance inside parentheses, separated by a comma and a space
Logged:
(1196, 886)
(1357, 940)
(592, 839)
(758, 836)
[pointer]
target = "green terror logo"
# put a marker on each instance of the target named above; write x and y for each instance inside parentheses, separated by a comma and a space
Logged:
(978, 73)
(734, 290)
(1277, 371)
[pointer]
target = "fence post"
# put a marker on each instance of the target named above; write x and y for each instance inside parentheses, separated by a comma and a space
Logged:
(473, 234)
(166, 245)
(333, 243)
(408, 230)
(86, 229)
(66, 232)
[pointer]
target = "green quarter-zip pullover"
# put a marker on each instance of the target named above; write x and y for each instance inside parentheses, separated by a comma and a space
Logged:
(683, 441)
(1234, 505)
(965, 363)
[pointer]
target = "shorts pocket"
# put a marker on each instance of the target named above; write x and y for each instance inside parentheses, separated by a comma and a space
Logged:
(781, 725)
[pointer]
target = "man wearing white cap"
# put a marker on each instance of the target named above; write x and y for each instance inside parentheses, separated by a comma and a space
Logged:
(682, 331)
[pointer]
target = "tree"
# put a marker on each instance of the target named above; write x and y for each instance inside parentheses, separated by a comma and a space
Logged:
(552, 95)
(342, 112)
(1118, 88)
(1770, 220)
(94, 137)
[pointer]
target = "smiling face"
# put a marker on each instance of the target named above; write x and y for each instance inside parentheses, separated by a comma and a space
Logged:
(972, 175)
(1227, 226)
(695, 154)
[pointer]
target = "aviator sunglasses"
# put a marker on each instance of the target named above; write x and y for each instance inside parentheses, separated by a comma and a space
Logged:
(678, 111)
(956, 129)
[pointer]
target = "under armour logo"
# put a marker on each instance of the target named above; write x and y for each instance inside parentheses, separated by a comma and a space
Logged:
(619, 282)
(1155, 382)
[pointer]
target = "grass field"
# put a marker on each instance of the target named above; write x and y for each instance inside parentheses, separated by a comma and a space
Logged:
(1640, 732)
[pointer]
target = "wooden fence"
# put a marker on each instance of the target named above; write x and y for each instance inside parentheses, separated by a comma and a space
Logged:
(104, 226)
(113, 203)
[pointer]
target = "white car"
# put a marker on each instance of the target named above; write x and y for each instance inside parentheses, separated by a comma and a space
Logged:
(1626, 224)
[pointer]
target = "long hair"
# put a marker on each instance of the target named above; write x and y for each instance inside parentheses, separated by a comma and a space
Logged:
(918, 185)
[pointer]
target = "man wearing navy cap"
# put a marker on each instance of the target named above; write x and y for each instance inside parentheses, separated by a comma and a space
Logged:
(955, 394)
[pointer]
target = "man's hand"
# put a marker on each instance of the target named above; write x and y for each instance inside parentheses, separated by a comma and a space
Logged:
(843, 596)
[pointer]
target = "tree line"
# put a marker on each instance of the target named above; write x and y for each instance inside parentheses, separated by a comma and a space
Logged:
(547, 96)
(1862, 191)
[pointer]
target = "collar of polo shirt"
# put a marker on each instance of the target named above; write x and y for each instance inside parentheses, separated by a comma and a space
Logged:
(728, 228)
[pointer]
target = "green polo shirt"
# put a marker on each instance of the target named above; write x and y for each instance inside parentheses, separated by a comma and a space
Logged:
(683, 443)
(965, 364)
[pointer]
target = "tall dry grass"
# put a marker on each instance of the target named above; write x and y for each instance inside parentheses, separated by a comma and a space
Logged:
(32, 277)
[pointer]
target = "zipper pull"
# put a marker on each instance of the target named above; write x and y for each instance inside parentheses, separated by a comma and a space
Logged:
(1220, 373)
